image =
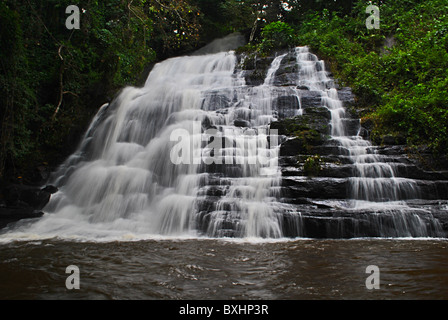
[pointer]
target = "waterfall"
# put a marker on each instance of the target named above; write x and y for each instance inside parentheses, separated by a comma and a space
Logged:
(191, 153)
(373, 179)
(374, 184)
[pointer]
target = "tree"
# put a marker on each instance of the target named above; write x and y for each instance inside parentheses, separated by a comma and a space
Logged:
(53, 79)
(176, 26)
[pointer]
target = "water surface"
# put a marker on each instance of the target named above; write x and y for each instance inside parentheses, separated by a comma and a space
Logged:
(207, 269)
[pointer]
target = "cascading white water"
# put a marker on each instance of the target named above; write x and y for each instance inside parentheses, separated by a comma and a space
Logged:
(247, 204)
(191, 154)
(374, 184)
(123, 180)
(373, 180)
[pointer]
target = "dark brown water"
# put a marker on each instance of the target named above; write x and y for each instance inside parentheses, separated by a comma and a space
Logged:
(219, 269)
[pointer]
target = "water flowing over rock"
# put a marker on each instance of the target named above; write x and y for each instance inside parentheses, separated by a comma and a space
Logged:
(360, 190)
(205, 148)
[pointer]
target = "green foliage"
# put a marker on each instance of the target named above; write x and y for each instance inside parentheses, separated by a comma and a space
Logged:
(274, 36)
(17, 100)
(398, 72)
(277, 35)
(52, 80)
(313, 166)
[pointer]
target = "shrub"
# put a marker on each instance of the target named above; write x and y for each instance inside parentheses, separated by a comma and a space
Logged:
(313, 166)
(277, 35)
(402, 87)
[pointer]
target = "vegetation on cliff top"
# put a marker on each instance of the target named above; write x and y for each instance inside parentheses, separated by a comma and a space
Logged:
(53, 80)
(398, 72)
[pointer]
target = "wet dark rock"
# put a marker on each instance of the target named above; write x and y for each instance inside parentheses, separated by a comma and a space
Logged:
(241, 123)
(318, 115)
(286, 106)
(315, 188)
(293, 147)
(255, 69)
(433, 190)
(324, 224)
(50, 189)
(346, 96)
(286, 74)
(310, 99)
(216, 101)
(352, 126)
(13, 214)
(31, 196)
(393, 140)
(254, 77)
(285, 79)
(23, 202)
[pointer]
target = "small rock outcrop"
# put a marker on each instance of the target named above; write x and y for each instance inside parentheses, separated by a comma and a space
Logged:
(20, 202)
